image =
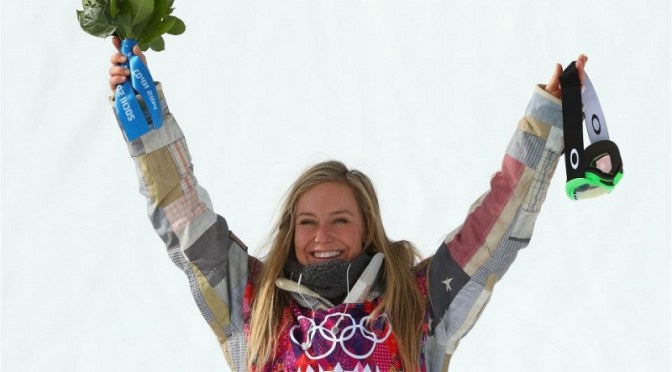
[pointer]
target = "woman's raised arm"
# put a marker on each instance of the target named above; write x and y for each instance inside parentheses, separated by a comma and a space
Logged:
(473, 257)
(198, 241)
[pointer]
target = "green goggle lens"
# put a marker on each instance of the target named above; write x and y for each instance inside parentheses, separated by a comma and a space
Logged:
(591, 186)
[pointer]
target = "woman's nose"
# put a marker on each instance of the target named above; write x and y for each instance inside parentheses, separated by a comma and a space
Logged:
(323, 234)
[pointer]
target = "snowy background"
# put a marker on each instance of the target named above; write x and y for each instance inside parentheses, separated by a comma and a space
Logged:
(421, 95)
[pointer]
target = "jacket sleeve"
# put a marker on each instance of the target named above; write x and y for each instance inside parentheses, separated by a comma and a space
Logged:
(197, 240)
(473, 257)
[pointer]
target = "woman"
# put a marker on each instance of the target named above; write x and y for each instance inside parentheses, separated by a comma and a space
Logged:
(334, 292)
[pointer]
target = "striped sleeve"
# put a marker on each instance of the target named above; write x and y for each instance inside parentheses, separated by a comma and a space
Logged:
(197, 240)
(476, 255)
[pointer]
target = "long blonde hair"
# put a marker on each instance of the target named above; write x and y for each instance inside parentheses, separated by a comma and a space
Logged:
(401, 301)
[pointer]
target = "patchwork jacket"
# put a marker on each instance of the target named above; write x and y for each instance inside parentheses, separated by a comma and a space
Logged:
(319, 335)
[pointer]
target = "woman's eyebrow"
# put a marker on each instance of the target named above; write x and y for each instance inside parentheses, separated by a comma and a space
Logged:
(311, 214)
(344, 211)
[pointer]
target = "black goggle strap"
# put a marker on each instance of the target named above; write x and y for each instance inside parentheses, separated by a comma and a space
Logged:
(585, 179)
(572, 117)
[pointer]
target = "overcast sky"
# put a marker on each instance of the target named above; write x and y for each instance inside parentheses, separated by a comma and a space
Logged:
(423, 96)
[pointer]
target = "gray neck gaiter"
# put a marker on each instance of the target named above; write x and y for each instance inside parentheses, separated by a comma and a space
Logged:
(328, 279)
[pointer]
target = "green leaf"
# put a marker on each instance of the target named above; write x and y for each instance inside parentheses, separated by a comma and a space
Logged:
(178, 27)
(158, 45)
(95, 3)
(125, 21)
(141, 10)
(160, 8)
(114, 8)
(138, 30)
(147, 31)
(132, 14)
(166, 25)
(94, 21)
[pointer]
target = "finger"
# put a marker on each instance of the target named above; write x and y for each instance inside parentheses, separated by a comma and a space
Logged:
(139, 53)
(116, 80)
(581, 67)
(116, 42)
(554, 83)
(583, 58)
(117, 58)
(581, 71)
(119, 71)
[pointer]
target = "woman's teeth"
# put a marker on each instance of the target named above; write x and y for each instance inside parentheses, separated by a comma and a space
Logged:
(326, 254)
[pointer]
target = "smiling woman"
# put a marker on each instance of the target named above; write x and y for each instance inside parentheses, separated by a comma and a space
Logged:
(333, 215)
(329, 224)
(334, 292)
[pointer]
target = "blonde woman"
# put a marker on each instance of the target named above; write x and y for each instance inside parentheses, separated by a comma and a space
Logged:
(334, 292)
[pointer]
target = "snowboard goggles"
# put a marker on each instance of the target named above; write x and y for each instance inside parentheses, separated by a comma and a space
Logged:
(597, 169)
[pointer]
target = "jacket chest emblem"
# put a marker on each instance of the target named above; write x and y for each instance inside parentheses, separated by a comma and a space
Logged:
(339, 333)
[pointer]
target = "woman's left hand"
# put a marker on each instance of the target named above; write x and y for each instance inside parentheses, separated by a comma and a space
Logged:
(553, 85)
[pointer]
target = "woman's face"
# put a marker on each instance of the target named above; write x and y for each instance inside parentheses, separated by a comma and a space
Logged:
(329, 225)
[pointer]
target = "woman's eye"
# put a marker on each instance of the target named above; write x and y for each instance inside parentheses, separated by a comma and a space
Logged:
(341, 220)
(306, 222)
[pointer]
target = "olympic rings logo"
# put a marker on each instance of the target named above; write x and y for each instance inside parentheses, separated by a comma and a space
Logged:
(335, 337)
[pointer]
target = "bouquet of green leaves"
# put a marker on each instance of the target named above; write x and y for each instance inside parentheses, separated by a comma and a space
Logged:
(135, 22)
(145, 21)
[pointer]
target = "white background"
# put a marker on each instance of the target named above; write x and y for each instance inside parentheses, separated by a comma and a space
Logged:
(423, 96)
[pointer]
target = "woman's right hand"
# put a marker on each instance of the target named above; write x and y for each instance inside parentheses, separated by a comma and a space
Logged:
(119, 73)
(553, 85)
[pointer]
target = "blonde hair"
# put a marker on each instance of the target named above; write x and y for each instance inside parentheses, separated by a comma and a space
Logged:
(401, 301)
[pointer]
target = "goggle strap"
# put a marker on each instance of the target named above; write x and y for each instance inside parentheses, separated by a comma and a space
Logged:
(596, 124)
(572, 116)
